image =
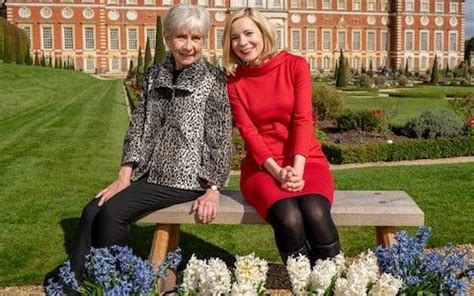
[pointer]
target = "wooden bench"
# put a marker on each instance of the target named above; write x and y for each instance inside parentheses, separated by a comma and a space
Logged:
(383, 209)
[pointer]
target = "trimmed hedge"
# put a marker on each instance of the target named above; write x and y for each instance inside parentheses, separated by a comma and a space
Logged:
(13, 43)
(360, 153)
(407, 150)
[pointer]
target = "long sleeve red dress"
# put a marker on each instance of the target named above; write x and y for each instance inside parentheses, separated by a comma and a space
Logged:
(271, 106)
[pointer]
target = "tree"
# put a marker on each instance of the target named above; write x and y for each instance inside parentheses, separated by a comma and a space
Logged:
(160, 45)
(342, 75)
(434, 71)
(407, 69)
(37, 60)
(2, 37)
(446, 70)
(468, 48)
(130, 70)
(336, 70)
(148, 59)
(43, 60)
(371, 69)
(7, 48)
(61, 65)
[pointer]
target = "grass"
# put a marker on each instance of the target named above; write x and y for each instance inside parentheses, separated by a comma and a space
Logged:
(62, 133)
(433, 91)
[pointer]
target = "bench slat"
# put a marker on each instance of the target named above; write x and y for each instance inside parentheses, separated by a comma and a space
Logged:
(351, 208)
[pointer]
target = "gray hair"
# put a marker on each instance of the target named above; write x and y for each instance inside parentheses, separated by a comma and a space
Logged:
(187, 17)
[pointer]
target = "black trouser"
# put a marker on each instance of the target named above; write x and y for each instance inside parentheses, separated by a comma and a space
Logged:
(303, 225)
(108, 225)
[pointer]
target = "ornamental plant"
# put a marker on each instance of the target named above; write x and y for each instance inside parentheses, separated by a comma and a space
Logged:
(212, 277)
(426, 272)
(333, 277)
(113, 271)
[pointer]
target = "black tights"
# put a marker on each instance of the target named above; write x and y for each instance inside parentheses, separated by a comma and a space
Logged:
(302, 221)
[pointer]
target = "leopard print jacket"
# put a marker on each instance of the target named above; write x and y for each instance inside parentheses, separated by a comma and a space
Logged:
(181, 134)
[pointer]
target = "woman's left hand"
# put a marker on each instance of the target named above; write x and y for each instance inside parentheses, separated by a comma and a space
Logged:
(206, 206)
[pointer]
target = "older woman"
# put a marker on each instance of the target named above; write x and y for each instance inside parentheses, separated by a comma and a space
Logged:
(285, 174)
(178, 146)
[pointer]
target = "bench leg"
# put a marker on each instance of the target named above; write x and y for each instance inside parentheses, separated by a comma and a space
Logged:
(385, 235)
(165, 239)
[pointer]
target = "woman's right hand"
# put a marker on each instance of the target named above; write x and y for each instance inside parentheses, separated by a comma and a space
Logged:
(290, 180)
(122, 182)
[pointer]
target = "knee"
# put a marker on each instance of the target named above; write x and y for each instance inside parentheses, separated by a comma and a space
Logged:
(289, 224)
(90, 211)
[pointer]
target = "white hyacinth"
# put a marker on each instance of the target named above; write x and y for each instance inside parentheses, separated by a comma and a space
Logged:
(387, 285)
(251, 269)
(299, 270)
(192, 275)
(216, 280)
(322, 274)
(243, 289)
(340, 262)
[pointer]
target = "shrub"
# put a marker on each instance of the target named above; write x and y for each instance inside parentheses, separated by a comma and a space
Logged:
(402, 80)
(435, 123)
(463, 106)
(327, 102)
(365, 80)
(380, 81)
(364, 120)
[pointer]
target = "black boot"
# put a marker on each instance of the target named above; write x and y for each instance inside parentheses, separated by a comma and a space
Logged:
(324, 252)
(303, 251)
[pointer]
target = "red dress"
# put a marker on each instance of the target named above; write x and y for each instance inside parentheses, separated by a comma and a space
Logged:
(271, 105)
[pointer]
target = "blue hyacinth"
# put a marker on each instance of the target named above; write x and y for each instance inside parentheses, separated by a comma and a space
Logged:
(439, 272)
(113, 271)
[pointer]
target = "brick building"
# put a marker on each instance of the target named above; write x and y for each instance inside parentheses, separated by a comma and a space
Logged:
(103, 35)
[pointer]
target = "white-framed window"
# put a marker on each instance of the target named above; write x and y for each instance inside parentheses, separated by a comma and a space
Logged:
(167, 2)
(439, 6)
(202, 2)
(68, 38)
(114, 39)
(132, 38)
(149, 2)
(409, 62)
(341, 40)
(89, 64)
(410, 5)
(326, 4)
(150, 33)
(356, 63)
(219, 36)
(371, 41)
(356, 40)
(356, 5)
(341, 4)
(326, 40)
(425, 6)
(277, 4)
(112, 1)
(371, 5)
(409, 40)
(453, 7)
(453, 41)
(312, 63)
(88, 1)
(219, 2)
(279, 39)
(115, 64)
(89, 38)
(384, 40)
(423, 63)
(310, 4)
(311, 40)
(452, 62)
(47, 37)
(295, 3)
(27, 30)
(185, 2)
(385, 5)
(438, 40)
(326, 63)
(424, 40)
(130, 1)
(295, 39)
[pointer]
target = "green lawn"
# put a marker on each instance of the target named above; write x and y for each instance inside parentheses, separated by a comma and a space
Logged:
(61, 142)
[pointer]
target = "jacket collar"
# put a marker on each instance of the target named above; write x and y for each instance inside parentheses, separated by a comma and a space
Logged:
(187, 80)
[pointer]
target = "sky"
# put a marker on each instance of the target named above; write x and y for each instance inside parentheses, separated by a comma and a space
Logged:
(469, 11)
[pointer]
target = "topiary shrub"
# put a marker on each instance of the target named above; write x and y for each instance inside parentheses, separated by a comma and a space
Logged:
(402, 80)
(364, 120)
(327, 102)
(365, 80)
(380, 81)
(435, 123)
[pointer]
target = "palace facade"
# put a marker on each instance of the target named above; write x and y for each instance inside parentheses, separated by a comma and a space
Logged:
(102, 36)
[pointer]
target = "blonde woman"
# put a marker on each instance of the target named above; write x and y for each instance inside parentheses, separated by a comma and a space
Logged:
(285, 174)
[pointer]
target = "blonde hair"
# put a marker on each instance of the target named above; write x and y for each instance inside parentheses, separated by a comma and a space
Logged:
(231, 60)
(187, 17)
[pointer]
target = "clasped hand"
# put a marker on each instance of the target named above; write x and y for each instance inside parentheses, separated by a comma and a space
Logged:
(290, 180)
